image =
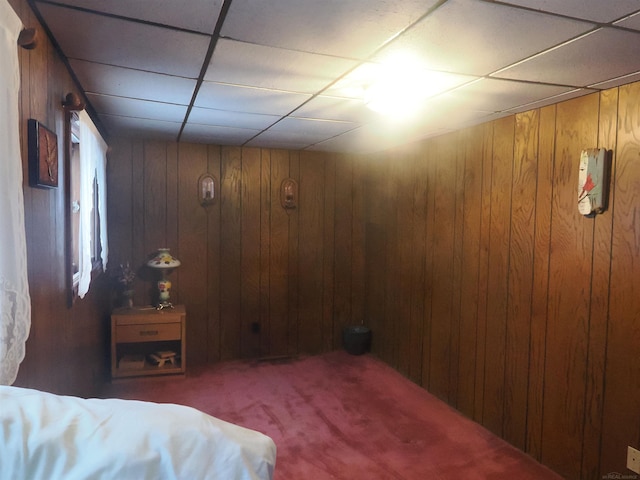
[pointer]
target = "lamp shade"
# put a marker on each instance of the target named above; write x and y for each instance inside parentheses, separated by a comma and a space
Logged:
(163, 259)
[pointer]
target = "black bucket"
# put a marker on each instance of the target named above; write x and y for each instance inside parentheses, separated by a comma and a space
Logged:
(356, 339)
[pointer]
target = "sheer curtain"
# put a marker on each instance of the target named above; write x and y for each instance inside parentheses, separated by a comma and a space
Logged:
(15, 303)
(93, 158)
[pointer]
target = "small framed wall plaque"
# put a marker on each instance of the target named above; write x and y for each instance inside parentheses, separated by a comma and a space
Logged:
(43, 156)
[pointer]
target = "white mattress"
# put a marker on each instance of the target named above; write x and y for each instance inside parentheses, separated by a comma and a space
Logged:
(46, 436)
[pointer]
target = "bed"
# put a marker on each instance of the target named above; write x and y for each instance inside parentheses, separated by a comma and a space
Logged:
(49, 436)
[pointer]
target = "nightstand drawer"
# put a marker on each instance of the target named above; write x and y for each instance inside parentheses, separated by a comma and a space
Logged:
(148, 333)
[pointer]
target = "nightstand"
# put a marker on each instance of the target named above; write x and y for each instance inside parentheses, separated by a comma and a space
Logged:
(140, 334)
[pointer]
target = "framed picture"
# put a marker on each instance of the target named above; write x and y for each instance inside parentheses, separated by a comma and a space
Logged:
(43, 156)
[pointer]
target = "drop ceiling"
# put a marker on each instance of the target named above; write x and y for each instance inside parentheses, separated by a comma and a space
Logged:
(291, 73)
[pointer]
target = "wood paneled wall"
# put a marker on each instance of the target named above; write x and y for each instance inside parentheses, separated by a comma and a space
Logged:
(258, 281)
(67, 347)
(484, 283)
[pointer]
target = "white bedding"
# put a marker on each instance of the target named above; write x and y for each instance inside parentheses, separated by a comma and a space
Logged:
(46, 436)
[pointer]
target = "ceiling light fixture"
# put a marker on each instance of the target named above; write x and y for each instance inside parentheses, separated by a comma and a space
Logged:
(399, 87)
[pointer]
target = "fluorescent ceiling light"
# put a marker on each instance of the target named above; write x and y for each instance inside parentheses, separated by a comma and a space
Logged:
(399, 86)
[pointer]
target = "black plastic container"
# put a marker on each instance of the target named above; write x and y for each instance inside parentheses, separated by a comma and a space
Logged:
(356, 339)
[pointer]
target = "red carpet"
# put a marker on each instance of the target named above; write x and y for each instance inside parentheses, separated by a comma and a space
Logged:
(337, 416)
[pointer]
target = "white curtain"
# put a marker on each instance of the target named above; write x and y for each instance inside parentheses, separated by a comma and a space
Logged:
(15, 303)
(93, 163)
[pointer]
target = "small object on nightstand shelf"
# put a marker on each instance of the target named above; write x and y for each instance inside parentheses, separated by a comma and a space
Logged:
(161, 358)
(165, 353)
(131, 362)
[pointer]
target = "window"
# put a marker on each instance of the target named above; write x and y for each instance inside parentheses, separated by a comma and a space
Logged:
(86, 203)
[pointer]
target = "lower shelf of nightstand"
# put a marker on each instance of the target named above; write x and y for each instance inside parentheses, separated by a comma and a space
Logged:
(148, 370)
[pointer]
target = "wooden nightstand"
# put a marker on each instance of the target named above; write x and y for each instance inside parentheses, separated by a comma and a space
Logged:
(137, 333)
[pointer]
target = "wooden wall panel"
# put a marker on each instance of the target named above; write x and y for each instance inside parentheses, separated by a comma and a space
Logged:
(214, 279)
(358, 239)
(429, 277)
(445, 150)
(400, 311)
(520, 286)
(483, 273)
(470, 254)
(600, 287)
(279, 331)
(456, 298)
(390, 293)
(230, 252)
(154, 195)
(376, 259)
(141, 250)
(191, 250)
(250, 244)
(310, 259)
(621, 407)
(540, 290)
(342, 245)
(265, 251)
(294, 272)
(416, 268)
(569, 284)
(332, 315)
(498, 274)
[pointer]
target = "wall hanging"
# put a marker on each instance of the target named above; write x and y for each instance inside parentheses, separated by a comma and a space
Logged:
(289, 194)
(43, 156)
(206, 189)
(593, 181)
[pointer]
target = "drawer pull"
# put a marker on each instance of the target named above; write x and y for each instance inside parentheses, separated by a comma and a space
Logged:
(148, 332)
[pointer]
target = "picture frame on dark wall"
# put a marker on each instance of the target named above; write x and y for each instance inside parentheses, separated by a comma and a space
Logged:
(43, 156)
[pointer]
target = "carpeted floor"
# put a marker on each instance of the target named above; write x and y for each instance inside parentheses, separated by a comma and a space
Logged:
(337, 416)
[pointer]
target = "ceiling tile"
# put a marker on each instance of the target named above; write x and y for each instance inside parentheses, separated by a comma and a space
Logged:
(216, 135)
(305, 130)
(268, 67)
(370, 138)
(442, 112)
(616, 82)
(493, 95)
(126, 82)
(351, 29)
(131, 107)
(579, 92)
(617, 53)
(100, 39)
(632, 21)
(263, 142)
(225, 118)
(140, 127)
(196, 15)
(247, 99)
(476, 38)
(595, 10)
(336, 108)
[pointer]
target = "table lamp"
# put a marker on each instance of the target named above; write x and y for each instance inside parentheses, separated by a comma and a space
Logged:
(164, 262)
